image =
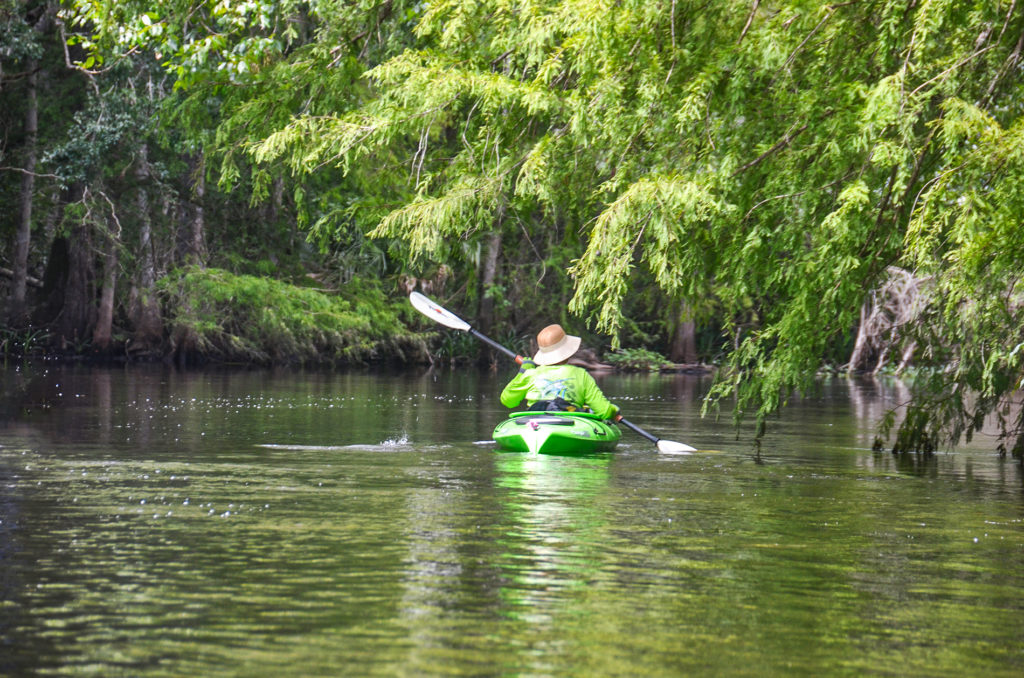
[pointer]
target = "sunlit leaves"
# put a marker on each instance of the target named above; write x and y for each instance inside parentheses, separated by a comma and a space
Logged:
(428, 221)
(262, 320)
(659, 219)
(202, 40)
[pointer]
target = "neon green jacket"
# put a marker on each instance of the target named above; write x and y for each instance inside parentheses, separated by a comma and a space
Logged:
(547, 382)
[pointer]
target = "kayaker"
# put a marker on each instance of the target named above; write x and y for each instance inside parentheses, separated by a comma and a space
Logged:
(549, 383)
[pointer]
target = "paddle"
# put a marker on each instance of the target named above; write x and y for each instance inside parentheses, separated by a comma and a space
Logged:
(664, 446)
(438, 313)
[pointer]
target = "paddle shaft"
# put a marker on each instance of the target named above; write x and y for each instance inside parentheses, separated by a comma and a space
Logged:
(495, 345)
(636, 429)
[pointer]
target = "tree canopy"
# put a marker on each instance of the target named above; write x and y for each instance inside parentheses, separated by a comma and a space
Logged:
(779, 157)
(768, 166)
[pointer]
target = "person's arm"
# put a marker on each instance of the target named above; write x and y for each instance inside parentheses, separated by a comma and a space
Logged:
(516, 390)
(594, 398)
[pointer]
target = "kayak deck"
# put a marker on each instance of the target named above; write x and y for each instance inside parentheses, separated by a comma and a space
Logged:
(556, 433)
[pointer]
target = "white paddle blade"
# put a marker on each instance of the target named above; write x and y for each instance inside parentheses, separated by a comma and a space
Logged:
(672, 447)
(437, 313)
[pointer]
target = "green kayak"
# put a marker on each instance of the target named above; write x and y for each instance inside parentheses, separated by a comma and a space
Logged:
(556, 433)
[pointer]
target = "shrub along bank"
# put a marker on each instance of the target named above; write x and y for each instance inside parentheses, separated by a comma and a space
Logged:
(214, 314)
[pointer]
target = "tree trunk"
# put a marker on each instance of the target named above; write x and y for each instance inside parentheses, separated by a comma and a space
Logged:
(146, 318)
(861, 349)
(278, 207)
(16, 311)
(684, 337)
(272, 213)
(196, 248)
(488, 275)
(58, 260)
(78, 312)
(103, 333)
(908, 355)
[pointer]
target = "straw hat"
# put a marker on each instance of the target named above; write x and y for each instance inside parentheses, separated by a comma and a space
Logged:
(555, 345)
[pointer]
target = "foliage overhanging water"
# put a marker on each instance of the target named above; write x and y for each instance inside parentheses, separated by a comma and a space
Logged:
(158, 523)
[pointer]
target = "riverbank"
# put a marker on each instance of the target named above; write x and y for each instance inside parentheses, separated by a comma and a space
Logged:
(201, 316)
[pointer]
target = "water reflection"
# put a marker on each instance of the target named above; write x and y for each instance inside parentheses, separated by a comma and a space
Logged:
(251, 523)
(551, 529)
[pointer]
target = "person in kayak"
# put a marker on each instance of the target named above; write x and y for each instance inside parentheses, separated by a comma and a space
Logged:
(549, 383)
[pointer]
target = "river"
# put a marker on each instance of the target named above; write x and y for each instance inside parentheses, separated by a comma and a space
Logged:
(156, 522)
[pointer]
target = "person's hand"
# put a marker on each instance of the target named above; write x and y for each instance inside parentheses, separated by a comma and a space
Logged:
(526, 364)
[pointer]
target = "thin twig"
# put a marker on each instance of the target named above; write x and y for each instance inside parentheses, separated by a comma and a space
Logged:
(781, 143)
(89, 73)
(928, 183)
(113, 215)
(950, 69)
(675, 58)
(673, 21)
(1010, 62)
(1006, 21)
(797, 194)
(830, 10)
(810, 35)
(750, 20)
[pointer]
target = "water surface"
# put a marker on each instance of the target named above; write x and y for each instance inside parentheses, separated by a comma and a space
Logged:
(228, 523)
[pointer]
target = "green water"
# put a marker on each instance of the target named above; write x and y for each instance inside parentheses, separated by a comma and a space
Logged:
(159, 523)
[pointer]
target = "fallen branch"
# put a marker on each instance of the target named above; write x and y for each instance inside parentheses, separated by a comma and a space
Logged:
(34, 282)
(34, 174)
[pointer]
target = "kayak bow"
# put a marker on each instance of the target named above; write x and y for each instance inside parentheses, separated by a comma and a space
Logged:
(556, 433)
